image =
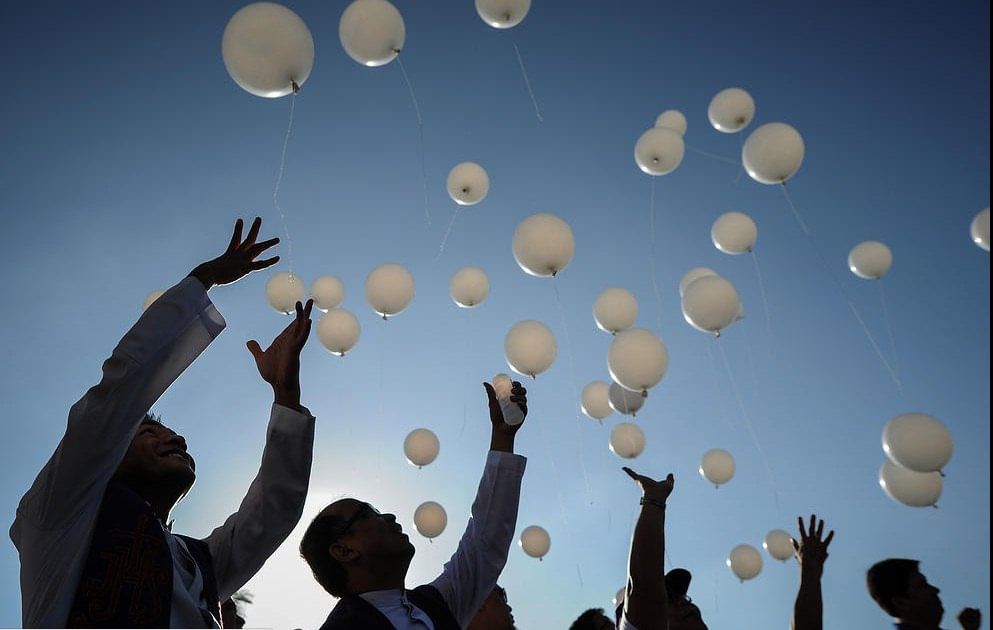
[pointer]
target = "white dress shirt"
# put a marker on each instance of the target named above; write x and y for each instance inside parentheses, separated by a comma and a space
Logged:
(470, 575)
(56, 517)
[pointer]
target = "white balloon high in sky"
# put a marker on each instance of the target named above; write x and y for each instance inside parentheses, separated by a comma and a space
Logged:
(535, 541)
(543, 244)
(430, 519)
(503, 387)
(745, 562)
(614, 310)
(979, 230)
(918, 442)
(267, 49)
(870, 260)
(717, 466)
(659, 151)
(421, 447)
(731, 110)
(284, 290)
(779, 544)
(637, 360)
(338, 331)
(711, 304)
(469, 287)
(734, 233)
(672, 119)
(468, 183)
(627, 440)
(913, 489)
(595, 400)
(389, 289)
(773, 153)
(624, 401)
(530, 348)
(328, 292)
(691, 275)
(503, 13)
(372, 32)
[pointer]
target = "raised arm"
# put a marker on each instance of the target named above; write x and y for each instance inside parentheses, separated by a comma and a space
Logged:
(274, 502)
(472, 572)
(811, 552)
(151, 355)
(645, 600)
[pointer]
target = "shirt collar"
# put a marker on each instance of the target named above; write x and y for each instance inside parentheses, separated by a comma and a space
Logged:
(381, 599)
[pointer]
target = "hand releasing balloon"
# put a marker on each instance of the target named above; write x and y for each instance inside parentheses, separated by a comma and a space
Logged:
(870, 260)
(811, 551)
(267, 49)
(773, 153)
(338, 331)
(372, 32)
(512, 399)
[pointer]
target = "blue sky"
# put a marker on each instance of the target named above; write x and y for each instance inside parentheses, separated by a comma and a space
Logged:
(129, 152)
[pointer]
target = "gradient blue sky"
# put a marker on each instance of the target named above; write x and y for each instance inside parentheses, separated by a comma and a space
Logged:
(128, 152)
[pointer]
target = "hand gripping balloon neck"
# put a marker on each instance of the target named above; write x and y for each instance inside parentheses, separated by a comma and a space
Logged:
(512, 413)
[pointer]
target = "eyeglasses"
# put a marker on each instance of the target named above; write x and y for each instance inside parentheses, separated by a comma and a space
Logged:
(364, 511)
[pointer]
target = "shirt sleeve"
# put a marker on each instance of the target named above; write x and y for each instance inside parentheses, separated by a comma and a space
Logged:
(168, 336)
(472, 571)
(273, 505)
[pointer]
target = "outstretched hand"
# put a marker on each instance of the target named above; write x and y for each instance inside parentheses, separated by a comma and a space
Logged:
(279, 364)
(656, 490)
(502, 435)
(810, 550)
(238, 260)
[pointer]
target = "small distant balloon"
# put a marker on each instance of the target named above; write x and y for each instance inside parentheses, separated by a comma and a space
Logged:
(773, 153)
(338, 331)
(918, 442)
(328, 292)
(469, 287)
(372, 32)
(389, 289)
(624, 401)
(614, 310)
(543, 244)
(535, 541)
(595, 400)
(468, 183)
(693, 274)
(530, 348)
(745, 562)
(430, 519)
(870, 260)
(979, 230)
(731, 110)
(421, 447)
(637, 360)
(779, 544)
(150, 299)
(659, 151)
(627, 440)
(717, 466)
(672, 119)
(711, 304)
(267, 49)
(913, 489)
(734, 233)
(503, 13)
(284, 290)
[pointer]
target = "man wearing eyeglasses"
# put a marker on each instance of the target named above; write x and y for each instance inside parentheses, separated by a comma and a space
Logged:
(361, 555)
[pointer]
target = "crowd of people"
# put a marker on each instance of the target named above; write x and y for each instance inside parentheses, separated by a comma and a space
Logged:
(97, 550)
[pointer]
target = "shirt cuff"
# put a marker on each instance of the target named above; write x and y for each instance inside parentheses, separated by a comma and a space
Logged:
(503, 459)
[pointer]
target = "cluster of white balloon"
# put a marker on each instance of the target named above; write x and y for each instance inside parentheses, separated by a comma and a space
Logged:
(917, 448)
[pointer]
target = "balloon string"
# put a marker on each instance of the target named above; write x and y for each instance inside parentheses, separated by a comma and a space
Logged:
(441, 248)
(765, 301)
(575, 387)
(655, 280)
(713, 156)
(527, 82)
(279, 180)
(717, 387)
(748, 422)
(889, 327)
(420, 136)
(741, 149)
(841, 290)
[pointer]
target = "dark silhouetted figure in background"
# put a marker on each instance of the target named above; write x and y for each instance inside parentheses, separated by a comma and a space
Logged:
(592, 619)
(682, 613)
(495, 613)
(903, 592)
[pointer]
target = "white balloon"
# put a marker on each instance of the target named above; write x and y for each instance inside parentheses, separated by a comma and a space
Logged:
(150, 299)
(734, 233)
(672, 119)
(421, 447)
(623, 400)
(503, 387)
(543, 244)
(870, 260)
(773, 153)
(468, 183)
(267, 49)
(530, 347)
(908, 487)
(328, 292)
(619, 597)
(711, 304)
(717, 466)
(389, 289)
(372, 32)
(693, 274)
(503, 13)
(979, 230)
(430, 519)
(535, 541)
(627, 440)
(745, 562)
(615, 310)
(731, 110)
(659, 151)
(779, 544)
(917, 442)
(338, 331)
(637, 360)
(595, 400)
(469, 287)
(284, 290)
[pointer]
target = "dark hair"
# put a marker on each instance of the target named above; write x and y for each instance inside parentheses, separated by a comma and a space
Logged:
(587, 620)
(888, 579)
(151, 417)
(314, 548)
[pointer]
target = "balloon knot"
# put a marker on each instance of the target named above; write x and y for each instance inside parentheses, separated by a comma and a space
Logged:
(384, 317)
(644, 393)
(717, 335)
(296, 88)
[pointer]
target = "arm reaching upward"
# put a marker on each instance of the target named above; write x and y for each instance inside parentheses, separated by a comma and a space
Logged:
(811, 552)
(645, 600)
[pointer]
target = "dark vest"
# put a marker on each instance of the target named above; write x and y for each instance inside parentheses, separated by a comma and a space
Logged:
(354, 613)
(127, 579)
